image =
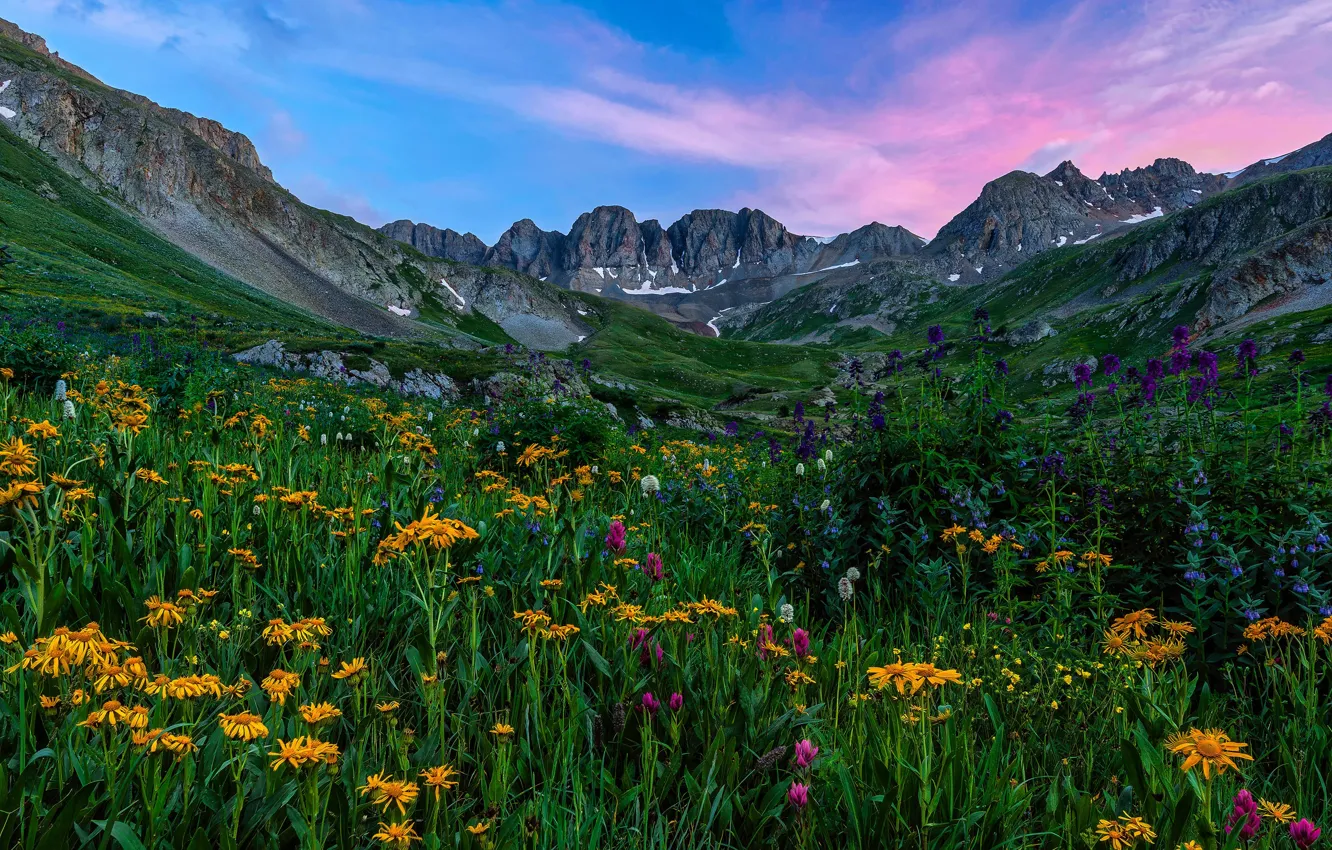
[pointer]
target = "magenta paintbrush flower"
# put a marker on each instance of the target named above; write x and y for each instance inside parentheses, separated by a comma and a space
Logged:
(615, 537)
(805, 751)
(798, 795)
(1304, 833)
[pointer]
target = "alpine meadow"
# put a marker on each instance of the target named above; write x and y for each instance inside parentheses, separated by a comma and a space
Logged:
(694, 535)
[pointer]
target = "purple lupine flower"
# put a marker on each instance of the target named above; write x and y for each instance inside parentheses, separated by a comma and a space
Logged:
(1110, 364)
(615, 537)
(935, 335)
(1001, 368)
(1207, 366)
(1297, 356)
(1082, 375)
(805, 751)
(1180, 336)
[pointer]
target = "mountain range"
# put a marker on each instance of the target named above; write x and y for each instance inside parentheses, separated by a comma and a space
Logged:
(1226, 246)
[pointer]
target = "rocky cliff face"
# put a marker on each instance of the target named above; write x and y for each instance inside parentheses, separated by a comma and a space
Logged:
(204, 188)
(445, 244)
(609, 251)
(1023, 214)
(1313, 155)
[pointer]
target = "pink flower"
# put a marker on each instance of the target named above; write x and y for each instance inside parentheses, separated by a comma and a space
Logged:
(1304, 833)
(615, 537)
(676, 701)
(1244, 815)
(651, 704)
(654, 569)
(805, 751)
(800, 642)
(798, 795)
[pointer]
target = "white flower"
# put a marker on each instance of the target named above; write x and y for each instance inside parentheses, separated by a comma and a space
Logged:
(844, 589)
(800, 470)
(594, 469)
(822, 467)
(787, 613)
(338, 437)
(706, 465)
(69, 409)
(430, 416)
(827, 455)
(256, 510)
(60, 390)
(499, 447)
(826, 504)
(323, 439)
(853, 574)
(650, 485)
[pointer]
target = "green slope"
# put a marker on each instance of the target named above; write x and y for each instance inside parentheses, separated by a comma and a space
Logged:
(654, 354)
(76, 254)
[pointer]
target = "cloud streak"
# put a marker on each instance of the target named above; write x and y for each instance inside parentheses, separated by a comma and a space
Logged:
(904, 122)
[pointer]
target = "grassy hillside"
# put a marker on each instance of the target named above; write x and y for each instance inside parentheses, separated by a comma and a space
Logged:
(78, 256)
(651, 352)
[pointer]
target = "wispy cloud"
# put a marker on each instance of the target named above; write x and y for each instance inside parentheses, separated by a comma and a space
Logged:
(904, 122)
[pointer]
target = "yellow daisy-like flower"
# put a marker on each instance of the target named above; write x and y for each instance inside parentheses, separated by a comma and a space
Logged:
(440, 778)
(1279, 812)
(501, 730)
(243, 726)
(400, 835)
(317, 713)
(1212, 748)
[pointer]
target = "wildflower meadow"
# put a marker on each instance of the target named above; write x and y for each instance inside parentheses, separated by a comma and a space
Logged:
(242, 608)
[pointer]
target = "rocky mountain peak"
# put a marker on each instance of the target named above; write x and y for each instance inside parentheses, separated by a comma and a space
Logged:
(445, 244)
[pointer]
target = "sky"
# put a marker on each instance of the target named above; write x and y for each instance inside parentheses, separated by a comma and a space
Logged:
(826, 115)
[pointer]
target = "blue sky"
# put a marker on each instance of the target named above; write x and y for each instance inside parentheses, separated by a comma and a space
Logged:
(825, 114)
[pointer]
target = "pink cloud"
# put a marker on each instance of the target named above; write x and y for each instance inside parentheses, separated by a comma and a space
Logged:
(1220, 85)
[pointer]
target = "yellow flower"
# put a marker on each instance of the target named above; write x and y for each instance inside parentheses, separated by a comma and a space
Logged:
(43, 430)
(899, 675)
(399, 835)
(162, 614)
(1279, 812)
(1212, 748)
(243, 726)
(319, 713)
(440, 778)
(17, 458)
(354, 670)
(501, 730)
(478, 828)
(395, 793)
(1135, 623)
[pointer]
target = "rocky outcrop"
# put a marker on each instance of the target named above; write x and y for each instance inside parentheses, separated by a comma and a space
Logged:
(1023, 214)
(1170, 184)
(333, 366)
(608, 251)
(527, 248)
(1314, 155)
(1297, 266)
(445, 244)
(203, 187)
